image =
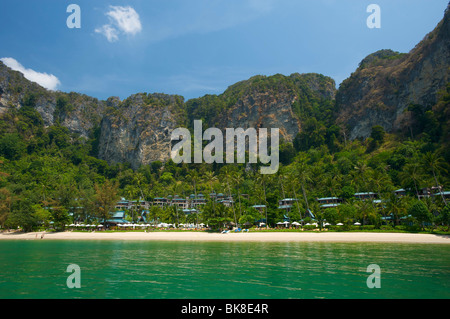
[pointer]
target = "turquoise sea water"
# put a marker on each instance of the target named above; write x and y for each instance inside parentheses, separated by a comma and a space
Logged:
(210, 270)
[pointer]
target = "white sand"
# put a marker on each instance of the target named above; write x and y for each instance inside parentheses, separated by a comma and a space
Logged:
(249, 237)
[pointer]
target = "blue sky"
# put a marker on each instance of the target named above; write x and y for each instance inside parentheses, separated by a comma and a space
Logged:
(198, 47)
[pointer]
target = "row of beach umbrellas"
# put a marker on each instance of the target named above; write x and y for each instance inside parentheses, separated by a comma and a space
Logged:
(315, 224)
(134, 225)
(84, 225)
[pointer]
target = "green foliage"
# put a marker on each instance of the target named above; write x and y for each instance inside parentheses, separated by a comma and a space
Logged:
(12, 146)
(420, 212)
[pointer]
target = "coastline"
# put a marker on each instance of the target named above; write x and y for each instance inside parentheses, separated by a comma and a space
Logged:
(349, 237)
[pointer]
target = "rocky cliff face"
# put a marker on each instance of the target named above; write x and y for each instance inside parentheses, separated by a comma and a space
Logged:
(138, 130)
(386, 83)
(264, 102)
(79, 113)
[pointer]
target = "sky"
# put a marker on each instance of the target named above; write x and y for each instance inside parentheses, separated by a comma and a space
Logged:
(198, 47)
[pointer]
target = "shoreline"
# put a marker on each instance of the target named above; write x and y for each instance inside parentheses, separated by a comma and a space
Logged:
(349, 237)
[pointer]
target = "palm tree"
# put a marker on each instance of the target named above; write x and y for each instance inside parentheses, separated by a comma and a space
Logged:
(411, 173)
(303, 174)
(435, 163)
(363, 170)
(331, 183)
(261, 180)
(193, 176)
(131, 193)
(292, 183)
(397, 206)
(227, 180)
(139, 180)
(238, 179)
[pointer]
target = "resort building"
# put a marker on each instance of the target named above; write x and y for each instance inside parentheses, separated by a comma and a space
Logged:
(329, 202)
(445, 194)
(226, 201)
(260, 208)
(400, 192)
(181, 203)
(366, 195)
(287, 204)
(123, 204)
(197, 201)
(160, 201)
(117, 218)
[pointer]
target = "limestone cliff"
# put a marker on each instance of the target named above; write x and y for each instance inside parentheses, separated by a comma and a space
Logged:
(138, 130)
(79, 113)
(264, 102)
(387, 82)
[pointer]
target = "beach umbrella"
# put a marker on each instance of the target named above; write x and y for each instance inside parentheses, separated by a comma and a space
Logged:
(357, 224)
(339, 224)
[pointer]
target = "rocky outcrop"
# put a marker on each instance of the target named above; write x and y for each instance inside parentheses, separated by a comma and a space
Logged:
(264, 102)
(79, 113)
(387, 82)
(138, 130)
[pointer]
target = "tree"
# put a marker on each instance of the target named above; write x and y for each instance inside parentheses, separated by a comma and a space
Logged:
(347, 213)
(434, 163)
(397, 207)
(362, 171)
(302, 172)
(42, 215)
(411, 174)
(87, 203)
(378, 134)
(419, 211)
(237, 178)
(12, 146)
(444, 217)
(22, 215)
(106, 197)
(228, 178)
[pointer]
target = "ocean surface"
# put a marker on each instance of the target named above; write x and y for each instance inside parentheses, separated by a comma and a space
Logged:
(211, 270)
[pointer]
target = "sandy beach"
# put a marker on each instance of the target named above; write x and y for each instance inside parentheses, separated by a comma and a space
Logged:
(236, 237)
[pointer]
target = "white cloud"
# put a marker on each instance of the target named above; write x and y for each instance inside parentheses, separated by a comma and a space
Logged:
(122, 19)
(48, 81)
(109, 32)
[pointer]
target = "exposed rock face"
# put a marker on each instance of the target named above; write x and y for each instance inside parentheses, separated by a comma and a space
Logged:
(79, 113)
(138, 130)
(386, 83)
(263, 102)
